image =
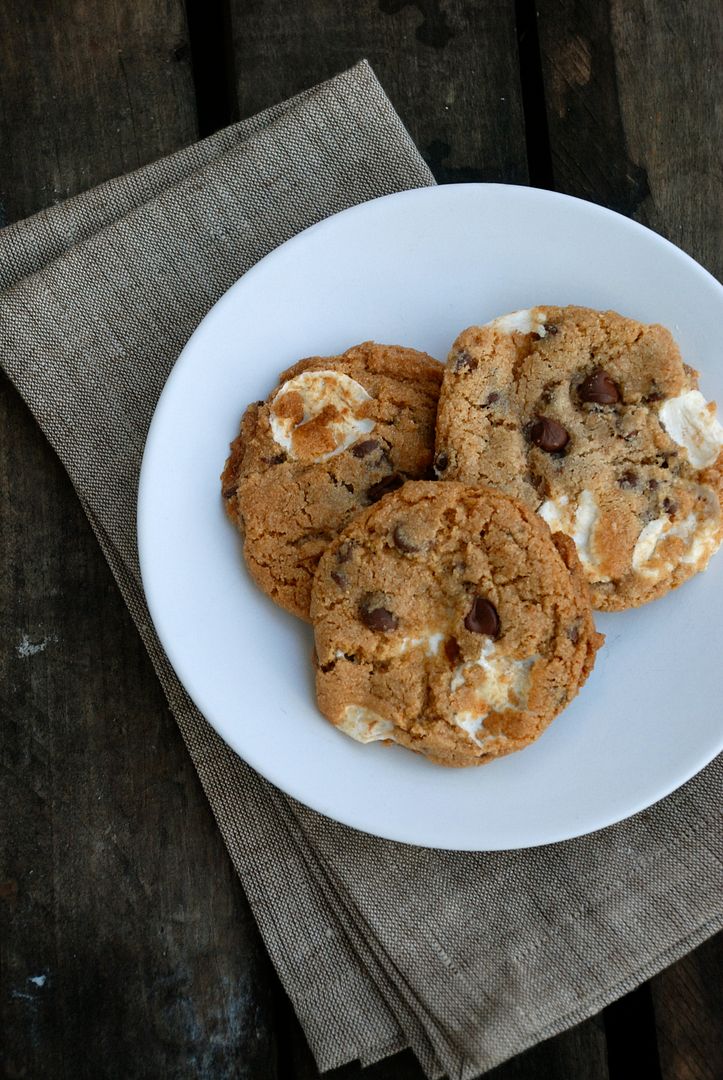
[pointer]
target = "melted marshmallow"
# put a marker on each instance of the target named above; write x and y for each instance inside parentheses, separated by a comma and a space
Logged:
(586, 517)
(526, 321)
(365, 725)
(577, 520)
(318, 390)
(705, 544)
(691, 422)
(431, 643)
(553, 512)
(702, 538)
(474, 725)
(505, 677)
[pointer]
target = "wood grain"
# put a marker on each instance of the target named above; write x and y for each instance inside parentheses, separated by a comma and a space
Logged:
(125, 935)
(450, 69)
(127, 948)
(634, 93)
(88, 90)
(687, 1000)
(668, 60)
(579, 1053)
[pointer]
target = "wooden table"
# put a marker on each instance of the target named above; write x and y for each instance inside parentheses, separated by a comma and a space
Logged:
(126, 945)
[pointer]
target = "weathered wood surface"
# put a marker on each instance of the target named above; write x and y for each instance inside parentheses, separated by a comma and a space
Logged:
(687, 1001)
(116, 893)
(126, 945)
(88, 90)
(633, 96)
(460, 99)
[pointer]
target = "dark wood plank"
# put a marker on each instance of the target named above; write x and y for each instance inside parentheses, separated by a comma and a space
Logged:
(577, 1054)
(127, 947)
(667, 56)
(631, 1036)
(632, 94)
(450, 70)
(88, 90)
(688, 1003)
(126, 937)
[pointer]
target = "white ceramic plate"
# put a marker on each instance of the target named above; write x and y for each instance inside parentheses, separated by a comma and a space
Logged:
(414, 269)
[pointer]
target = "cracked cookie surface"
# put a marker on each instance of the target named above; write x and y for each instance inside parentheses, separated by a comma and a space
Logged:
(594, 421)
(332, 438)
(449, 620)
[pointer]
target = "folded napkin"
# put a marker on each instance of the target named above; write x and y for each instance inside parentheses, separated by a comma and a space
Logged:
(467, 958)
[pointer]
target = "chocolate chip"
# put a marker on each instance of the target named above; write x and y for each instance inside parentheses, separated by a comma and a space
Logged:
(229, 491)
(550, 328)
(402, 542)
(652, 485)
(573, 632)
(548, 435)
(383, 487)
(452, 651)
(377, 618)
(482, 618)
(492, 398)
(599, 389)
(441, 462)
(464, 362)
(628, 479)
(339, 578)
(363, 448)
(670, 506)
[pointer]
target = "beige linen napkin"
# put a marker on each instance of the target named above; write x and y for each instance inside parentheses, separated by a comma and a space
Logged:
(467, 958)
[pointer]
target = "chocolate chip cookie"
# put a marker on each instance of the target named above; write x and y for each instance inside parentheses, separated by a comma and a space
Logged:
(335, 435)
(449, 620)
(594, 421)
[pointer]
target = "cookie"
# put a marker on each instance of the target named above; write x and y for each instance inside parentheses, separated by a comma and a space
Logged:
(335, 435)
(448, 619)
(594, 421)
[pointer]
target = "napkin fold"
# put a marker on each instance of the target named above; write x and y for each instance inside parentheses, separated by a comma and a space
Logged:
(468, 958)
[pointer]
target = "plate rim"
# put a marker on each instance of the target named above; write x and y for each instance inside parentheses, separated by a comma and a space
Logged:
(144, 515)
